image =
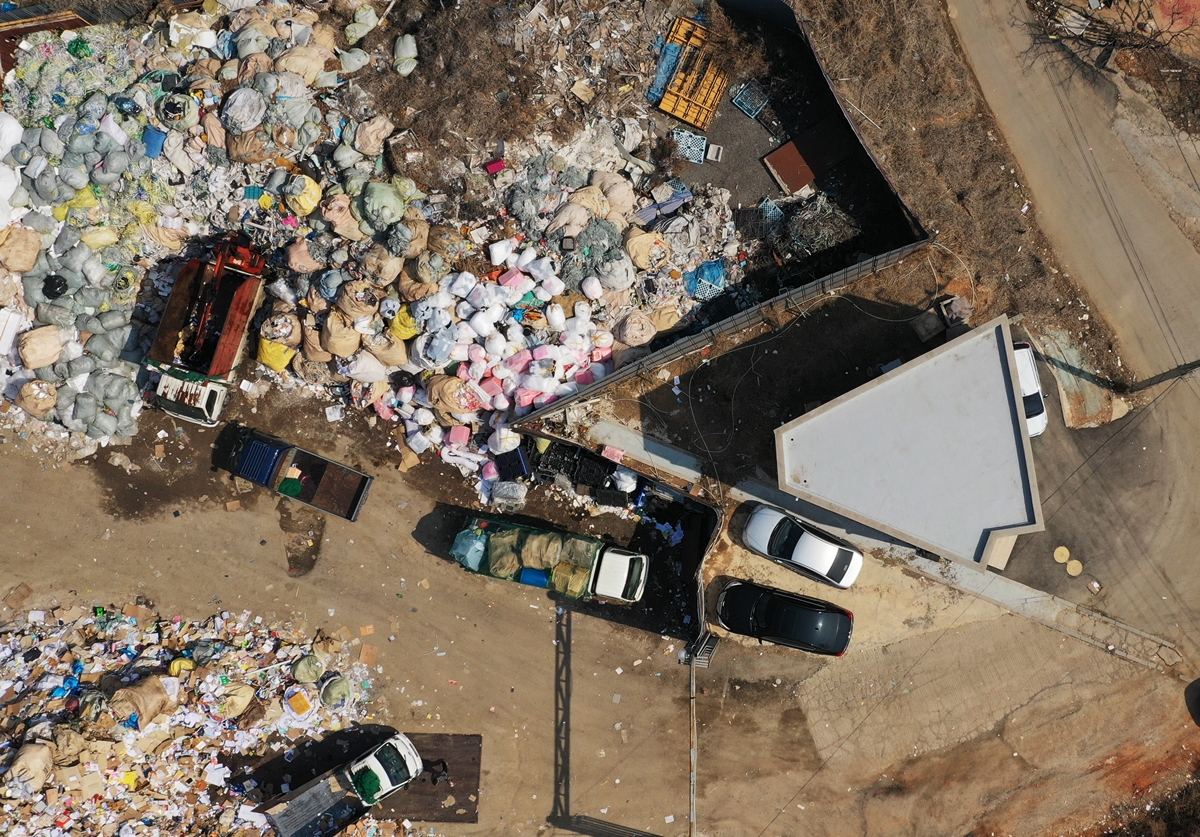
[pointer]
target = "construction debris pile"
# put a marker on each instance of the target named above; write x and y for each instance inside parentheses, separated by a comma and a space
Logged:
(119, 722)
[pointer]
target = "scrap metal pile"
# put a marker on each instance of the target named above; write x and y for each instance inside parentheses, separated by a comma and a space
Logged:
(119, 722)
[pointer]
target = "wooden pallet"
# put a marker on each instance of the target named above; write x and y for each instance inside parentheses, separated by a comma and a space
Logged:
(698, 85)
(424, 802)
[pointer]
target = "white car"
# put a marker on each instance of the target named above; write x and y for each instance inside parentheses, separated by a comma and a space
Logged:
(800, 547)
(1031, 389)
(384, 770)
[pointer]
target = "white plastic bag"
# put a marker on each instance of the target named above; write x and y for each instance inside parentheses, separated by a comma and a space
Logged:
(404, 55)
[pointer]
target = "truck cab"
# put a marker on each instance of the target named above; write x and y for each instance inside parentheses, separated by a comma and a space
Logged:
(384, 770)
(198, 401)
(620, 575)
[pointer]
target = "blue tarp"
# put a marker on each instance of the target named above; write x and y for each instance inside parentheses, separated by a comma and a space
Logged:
(668, 60)
(706, 281)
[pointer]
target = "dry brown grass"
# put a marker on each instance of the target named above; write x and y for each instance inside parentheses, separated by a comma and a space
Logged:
(938, 142)
(470, 88)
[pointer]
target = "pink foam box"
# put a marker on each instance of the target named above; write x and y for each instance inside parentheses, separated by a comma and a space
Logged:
(584, 377)
(520, 361)
(612, 454)
(459, 435)
(491, 386)
(525, 396)
(541, 352)
(463, 371)
(512, 277)
(601, 354)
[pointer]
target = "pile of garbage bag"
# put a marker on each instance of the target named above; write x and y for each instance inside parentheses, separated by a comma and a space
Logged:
(120, 719)
(124, 146)
(119, 145)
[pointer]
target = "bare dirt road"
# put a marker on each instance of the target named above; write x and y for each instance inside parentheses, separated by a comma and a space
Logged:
(949, 716)
(1110, 230)
(1121, 497)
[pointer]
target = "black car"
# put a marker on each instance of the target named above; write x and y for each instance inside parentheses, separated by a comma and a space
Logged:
(785, 618)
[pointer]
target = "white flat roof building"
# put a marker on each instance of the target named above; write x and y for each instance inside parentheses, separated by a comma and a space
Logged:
(935, 453)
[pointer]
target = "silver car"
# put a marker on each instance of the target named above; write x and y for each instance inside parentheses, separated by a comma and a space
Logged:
(801, 547)
(1031, 389)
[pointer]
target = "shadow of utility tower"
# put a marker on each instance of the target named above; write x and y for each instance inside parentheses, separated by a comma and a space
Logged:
(560, 812)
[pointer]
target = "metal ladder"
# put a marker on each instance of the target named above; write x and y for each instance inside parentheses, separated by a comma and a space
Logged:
(701, 651)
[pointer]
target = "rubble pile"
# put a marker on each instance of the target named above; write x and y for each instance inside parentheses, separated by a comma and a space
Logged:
(119, 722)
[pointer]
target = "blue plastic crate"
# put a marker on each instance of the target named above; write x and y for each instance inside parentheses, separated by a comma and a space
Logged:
(751, 98)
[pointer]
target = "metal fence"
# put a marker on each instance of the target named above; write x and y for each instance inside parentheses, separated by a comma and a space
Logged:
(739, 322)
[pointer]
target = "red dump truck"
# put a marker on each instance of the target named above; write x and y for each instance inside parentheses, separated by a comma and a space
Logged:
(203, 332)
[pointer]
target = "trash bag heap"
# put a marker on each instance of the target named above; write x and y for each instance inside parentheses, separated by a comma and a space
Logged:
(121, 722)
(123, 146)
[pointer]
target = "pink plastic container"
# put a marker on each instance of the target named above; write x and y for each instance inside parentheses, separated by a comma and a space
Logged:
(520, 361)
(511, 277)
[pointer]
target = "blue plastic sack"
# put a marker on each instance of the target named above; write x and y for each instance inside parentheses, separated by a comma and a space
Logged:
(668, 60)
(706, 281)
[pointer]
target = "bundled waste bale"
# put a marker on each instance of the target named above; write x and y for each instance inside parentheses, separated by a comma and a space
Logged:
(38, 398)
(338, 336)
(139, 703)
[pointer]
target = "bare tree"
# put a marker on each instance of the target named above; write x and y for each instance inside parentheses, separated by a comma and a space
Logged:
(1123, 24)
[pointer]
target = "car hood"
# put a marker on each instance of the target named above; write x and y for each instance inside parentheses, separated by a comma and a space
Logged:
(759, 526)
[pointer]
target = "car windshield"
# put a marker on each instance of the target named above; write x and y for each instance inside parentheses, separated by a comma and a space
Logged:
(784, 539)
(840, 564)
(1033, 406)
(635, 578)
(792, 624)
(393, 764)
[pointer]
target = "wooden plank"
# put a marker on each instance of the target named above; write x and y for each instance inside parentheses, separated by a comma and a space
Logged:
(425, 802)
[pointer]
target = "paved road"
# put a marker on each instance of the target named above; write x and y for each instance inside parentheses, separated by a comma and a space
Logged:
(1121, 497)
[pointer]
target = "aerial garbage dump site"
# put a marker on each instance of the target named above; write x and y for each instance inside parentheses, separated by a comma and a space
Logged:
(210, 201)
(128, 723)
(131, 151)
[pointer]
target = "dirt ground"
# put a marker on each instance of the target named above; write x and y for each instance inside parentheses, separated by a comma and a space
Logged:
(730, 402)
(933, 134)
(912, 733)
